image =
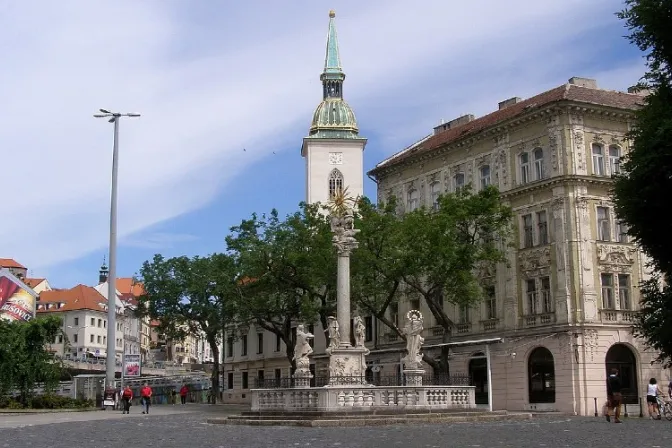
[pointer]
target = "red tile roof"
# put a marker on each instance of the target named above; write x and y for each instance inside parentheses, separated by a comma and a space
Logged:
(566, 92)
(10, 263)
(80, 297)
(128, 285)
(33, 282)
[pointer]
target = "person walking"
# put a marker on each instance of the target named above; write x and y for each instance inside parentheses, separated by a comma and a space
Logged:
(652, 392)
(614, 397)
(184, 391)
(126, 397)
(146, 397)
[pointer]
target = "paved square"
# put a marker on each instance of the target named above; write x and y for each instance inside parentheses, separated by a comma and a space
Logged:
(180, 427)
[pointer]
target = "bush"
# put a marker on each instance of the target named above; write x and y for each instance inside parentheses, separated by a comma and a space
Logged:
(47, 401)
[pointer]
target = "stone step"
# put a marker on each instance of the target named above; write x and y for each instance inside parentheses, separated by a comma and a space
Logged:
(357, 415)
(359, 412)
(337, 421)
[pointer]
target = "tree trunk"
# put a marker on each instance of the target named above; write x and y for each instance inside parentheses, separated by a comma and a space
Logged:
(214, 348)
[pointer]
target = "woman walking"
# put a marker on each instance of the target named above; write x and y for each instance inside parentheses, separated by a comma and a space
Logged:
(652, 393)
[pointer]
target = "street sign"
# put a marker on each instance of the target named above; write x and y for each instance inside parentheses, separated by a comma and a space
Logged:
(97, 352)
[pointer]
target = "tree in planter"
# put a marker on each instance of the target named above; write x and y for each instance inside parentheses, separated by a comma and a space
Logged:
(641, 191)
(24, 358)
(443, 255)
(288, 270)
(192, 295)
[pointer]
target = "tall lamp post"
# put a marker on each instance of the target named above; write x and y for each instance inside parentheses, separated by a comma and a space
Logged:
(110, 365)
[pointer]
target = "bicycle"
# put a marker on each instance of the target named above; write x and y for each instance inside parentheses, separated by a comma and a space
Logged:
(665, 408)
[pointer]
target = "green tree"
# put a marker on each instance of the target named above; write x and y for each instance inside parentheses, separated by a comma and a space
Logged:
(288, 268)
(24, 357)
(192, 296)
(641, 191)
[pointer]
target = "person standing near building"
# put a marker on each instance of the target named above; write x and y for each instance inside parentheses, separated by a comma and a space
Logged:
(614, 397)
(146, 397)
(184, 391)
(652, 392)
(126, 397)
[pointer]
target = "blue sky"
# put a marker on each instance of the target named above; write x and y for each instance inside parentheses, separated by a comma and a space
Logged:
(212, 78)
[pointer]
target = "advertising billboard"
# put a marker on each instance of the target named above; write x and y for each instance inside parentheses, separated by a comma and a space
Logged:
(17, 301)
(131, 366)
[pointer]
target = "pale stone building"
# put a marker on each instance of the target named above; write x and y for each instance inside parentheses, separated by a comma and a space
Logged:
(564, 307)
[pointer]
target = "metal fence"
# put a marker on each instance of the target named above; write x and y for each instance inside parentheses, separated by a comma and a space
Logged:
(384, 381)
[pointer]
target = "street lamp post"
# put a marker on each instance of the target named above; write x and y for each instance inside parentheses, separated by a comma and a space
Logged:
(110, 365)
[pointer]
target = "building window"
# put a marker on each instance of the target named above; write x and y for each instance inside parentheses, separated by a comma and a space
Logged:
(542, 226)
(622, 232)
(603, 224)
(278, 342)
(413, 200)
(260, 343)
(368, 332)
(528, 231)
(459, 181)
(91, 339)
(607, 281)
(99, 339)
(490, 303)
(464, 314)
(93, 322)
(598, 160)
(524, 168)
(546, 298)
(74, 337)
(531, 291)
(485, 176)
(104, 339)
(394, 313)
(245, 381)
(434, 193)
(229, 346)
(229, 380)
(624, 301)
(538, 155)
(614, 159)
(415, 304)
(76, 320)
(335, 183)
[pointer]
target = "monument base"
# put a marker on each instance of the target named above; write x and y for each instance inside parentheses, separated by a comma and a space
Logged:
(413, 377)
(347, 366)
(302, 378)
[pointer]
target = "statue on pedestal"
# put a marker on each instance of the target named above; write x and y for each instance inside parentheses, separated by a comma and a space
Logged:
(334, 332)
(343, 227)
(302, 349)
(360, 332)
(414, 340)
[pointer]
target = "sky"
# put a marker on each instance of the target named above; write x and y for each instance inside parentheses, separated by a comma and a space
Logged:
(212, 78)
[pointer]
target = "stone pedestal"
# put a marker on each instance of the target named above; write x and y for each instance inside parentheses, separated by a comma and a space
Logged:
(413, 377)
(347, 366)
(302, 378)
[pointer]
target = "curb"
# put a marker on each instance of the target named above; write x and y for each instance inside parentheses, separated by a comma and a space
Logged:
(44, 411)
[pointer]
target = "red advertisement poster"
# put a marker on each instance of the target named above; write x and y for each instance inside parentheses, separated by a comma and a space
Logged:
(16, 303)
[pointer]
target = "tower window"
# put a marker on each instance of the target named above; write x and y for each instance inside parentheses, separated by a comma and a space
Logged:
(335, 183)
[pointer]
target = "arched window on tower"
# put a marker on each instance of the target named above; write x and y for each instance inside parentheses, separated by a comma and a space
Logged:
(335, 183)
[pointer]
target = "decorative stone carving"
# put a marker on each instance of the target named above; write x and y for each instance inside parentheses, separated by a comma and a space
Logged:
(615, 258)
(615, 140)
(591, 342)
(414, 340)
(553, 149)
(344, 231)
(582, 203)
(360, 331)
(532, 260)
(576, 119)
(597, 138)
(302, 349)
(334, 333)
(502, 166)
(579, 150)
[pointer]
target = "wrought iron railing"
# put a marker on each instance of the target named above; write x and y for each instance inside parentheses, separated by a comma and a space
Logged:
(383, 381)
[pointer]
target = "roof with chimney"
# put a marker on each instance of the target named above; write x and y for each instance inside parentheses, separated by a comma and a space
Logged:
(577, 90)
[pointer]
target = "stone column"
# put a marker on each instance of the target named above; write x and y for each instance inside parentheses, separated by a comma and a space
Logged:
(343, 297)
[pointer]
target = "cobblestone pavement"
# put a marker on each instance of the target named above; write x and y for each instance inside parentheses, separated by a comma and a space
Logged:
(187, 428)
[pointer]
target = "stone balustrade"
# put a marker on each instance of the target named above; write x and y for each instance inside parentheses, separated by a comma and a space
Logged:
(363, 398)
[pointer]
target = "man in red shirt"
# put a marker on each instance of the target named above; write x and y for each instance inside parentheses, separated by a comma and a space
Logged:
(184, 391)
(146, 396)
(126, 397)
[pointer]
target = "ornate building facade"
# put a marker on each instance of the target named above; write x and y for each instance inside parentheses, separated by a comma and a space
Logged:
(564, 305)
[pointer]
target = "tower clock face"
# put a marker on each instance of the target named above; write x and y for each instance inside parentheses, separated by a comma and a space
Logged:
(335, 158)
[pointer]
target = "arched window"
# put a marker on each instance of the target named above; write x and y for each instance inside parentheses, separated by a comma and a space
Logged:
(434, 193)
(413, 200)
(459, 181)
(541, 376)
(524, 168)
(335, 183)
(485, 176)
(621, 358)
(598, 159)
(538, 155)
(614, 159)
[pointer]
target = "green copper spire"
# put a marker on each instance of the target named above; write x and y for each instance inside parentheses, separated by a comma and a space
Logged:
(332, 60)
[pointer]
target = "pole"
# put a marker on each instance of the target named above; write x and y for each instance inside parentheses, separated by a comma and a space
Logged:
(343, 298)
(489, 365)
(111, 279)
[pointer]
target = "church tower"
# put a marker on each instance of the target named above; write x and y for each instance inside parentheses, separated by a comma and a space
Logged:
(333, 149)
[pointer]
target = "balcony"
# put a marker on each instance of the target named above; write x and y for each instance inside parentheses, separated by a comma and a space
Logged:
(618, 316)
(436, 331)
(463, 328)
(534, 320)
(490, 324)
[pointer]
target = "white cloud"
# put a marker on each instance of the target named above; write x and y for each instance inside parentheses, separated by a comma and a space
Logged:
(210, 84)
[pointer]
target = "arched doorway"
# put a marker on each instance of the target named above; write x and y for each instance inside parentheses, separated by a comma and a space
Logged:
(621, 357)
(541, 376)
(478, 375)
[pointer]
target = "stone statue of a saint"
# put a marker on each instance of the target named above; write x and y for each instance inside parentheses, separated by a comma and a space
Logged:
(414, 339)
(360, 331)
(334, 332)
(302, 349)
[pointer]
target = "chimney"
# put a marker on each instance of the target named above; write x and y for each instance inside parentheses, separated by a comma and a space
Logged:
(636, 90)
(464, 119)
(583, 82)
(510, 102)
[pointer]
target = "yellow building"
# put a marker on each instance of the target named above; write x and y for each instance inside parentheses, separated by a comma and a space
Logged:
(564, 306)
